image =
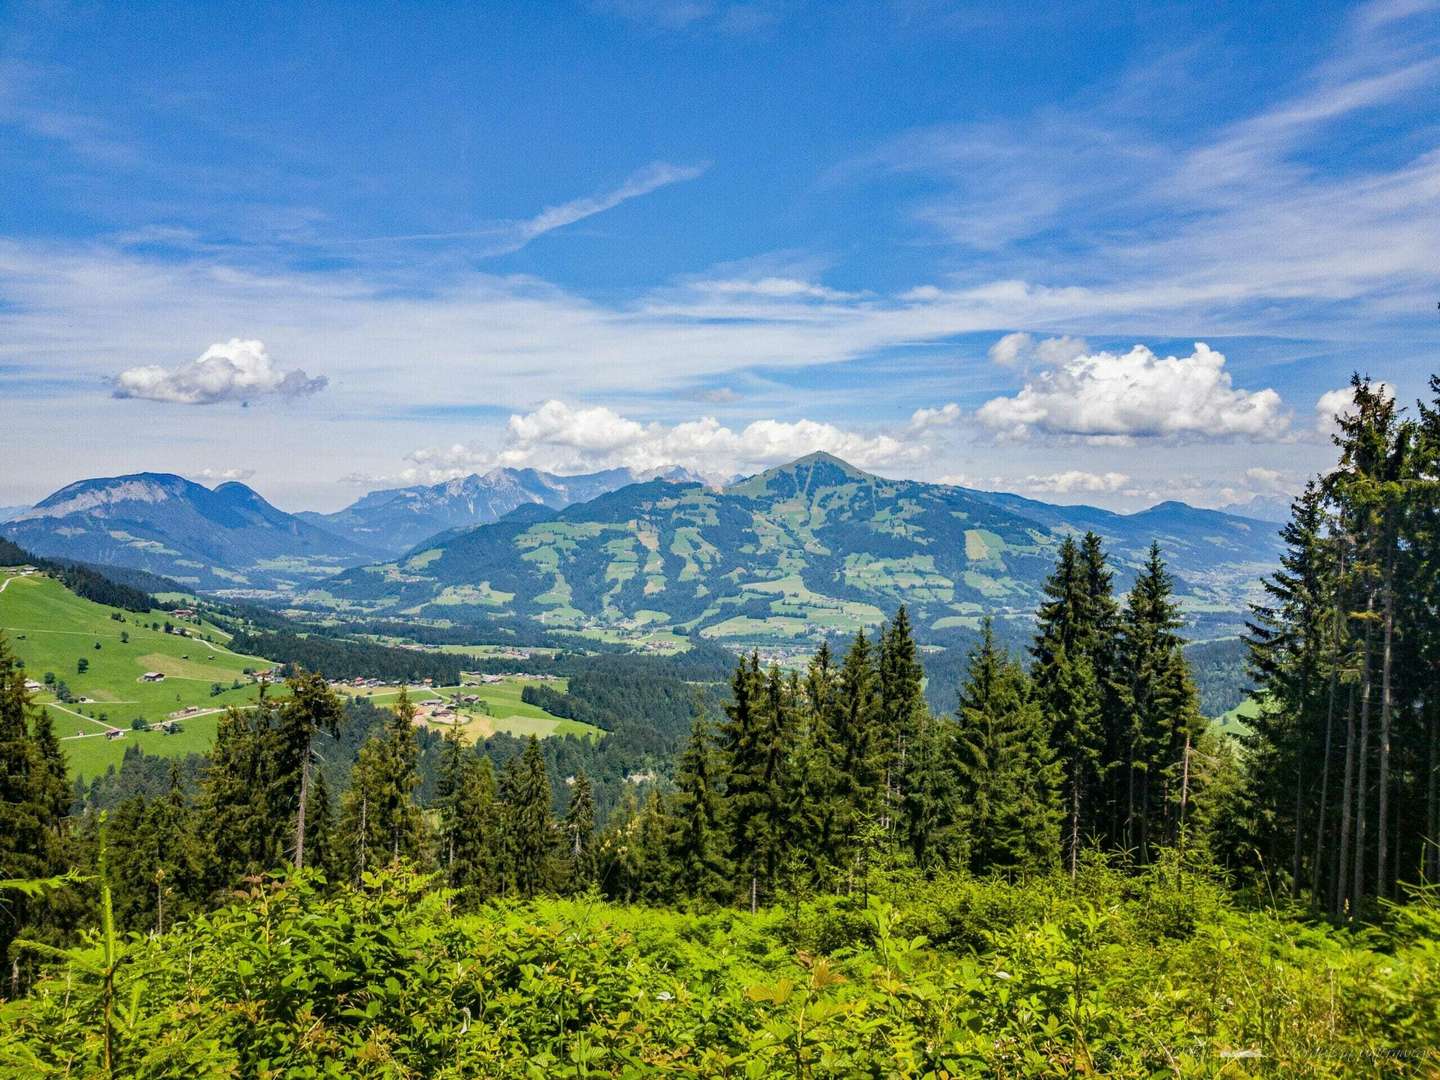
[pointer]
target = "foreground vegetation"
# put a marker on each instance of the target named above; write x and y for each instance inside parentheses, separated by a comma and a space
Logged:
(1126, 976)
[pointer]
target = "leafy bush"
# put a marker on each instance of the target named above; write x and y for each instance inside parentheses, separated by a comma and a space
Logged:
(1037, 979)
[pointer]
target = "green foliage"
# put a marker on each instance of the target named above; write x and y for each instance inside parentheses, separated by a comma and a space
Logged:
(954, 977)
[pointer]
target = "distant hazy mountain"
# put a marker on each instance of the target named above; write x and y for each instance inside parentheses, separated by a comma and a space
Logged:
(226, 539)
(811, 546)
(393, 521)
(8, 512)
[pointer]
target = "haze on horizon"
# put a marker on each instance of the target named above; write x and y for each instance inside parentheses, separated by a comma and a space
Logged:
(1083, 254)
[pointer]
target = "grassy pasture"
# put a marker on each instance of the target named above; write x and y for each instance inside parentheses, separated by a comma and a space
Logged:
(51, 630)
(506, 711)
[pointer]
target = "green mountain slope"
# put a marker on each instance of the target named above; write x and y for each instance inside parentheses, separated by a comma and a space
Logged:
(52, 630)
(809, 547)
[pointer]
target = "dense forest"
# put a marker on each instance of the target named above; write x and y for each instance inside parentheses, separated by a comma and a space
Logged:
(1069, 873)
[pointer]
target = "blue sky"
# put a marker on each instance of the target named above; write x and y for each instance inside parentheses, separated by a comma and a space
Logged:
(330, 247)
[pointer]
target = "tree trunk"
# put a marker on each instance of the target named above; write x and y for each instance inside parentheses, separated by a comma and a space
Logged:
(300, 813)
(1184, 791)
(1075, 823)
(1317, 874)
(1347, 803)
(1361, 765)
(1382, 826)
(1431, 859)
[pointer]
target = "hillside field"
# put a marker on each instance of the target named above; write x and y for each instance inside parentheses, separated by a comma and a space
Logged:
(51, 630)
(503, 711)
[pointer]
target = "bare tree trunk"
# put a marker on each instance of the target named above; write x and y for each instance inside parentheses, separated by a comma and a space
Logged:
(300, 813)
(1184, 791)
(1382, 827)
(1431, 859)
(1347, 803)
(364, 833)
(1075, 824)
(1361, 765)
(1130, 801)
(1317, 874)
(754, 894)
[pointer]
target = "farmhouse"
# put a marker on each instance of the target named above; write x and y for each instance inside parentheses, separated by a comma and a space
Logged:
(32, 685)
(153, 676)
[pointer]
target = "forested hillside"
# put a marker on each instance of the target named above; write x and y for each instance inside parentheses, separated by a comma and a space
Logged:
(809, 548)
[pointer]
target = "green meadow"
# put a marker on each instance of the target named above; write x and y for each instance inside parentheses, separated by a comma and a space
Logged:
(52, 630)
(503, 711)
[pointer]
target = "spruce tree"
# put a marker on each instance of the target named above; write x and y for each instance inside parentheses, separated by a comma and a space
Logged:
(311, 709)
(1164, 714)
(380, 821)
(529, 826)
(579, 833)
(697, 849)
(855, 737)
(1007, 776)
(901, 710)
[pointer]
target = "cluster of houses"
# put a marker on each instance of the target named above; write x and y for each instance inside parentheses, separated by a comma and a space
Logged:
(491, 680)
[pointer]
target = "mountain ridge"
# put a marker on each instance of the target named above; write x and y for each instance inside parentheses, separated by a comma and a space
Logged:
(391, 521)
(815, 544)
(227, 539)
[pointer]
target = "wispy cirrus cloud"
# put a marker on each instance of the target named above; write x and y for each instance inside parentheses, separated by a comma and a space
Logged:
(505, 237)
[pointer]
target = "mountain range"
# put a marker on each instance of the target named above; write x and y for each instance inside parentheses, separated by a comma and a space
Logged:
(813, 546)
(391, 522)
(224, 540)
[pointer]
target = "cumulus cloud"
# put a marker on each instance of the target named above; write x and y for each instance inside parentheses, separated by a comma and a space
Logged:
(1137, 395)
(928, 419)
(1073, 480)
(565, 438)
(220, 475)
(1341, 402)
(233, 370)
(1023, 350)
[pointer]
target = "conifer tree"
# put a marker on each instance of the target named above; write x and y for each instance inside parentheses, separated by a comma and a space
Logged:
(1074, 703)
(312, 708)
(579, 833)
(29, 808)
(243, 833)
(901, 710)
(1007, 777)
(1165, 717)
(855, 738)
(697, 850)
(529, 827)
(1071, 695)
(319, 826)
(380, 821)
(930, 811)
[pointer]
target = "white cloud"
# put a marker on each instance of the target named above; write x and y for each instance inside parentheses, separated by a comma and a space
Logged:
(221, 475)
(235, 370)
(1073, 480)
(720, 395)
(566, 439)
(927, 419)
(1138, 395)
(1341, 402)
(652, 177)
(780, 288)
(1022, 350)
